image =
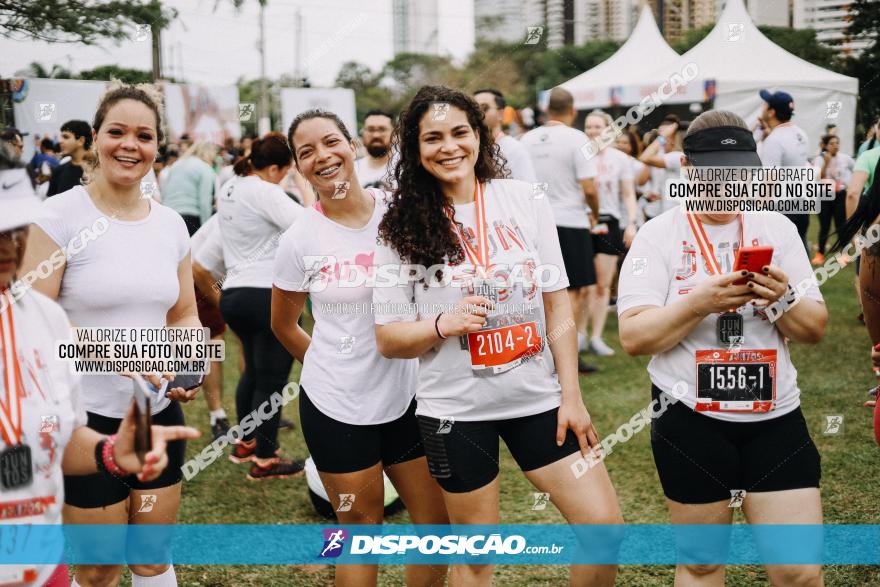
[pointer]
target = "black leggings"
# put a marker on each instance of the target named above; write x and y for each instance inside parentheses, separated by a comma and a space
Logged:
(247, 310)
(835, 209)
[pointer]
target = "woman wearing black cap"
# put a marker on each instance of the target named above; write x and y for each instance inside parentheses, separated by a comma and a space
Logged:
(741, 428)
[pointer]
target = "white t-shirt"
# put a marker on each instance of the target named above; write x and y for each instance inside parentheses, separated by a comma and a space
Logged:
(253, 215)
(523, 236)
(125, 278)
(207, 247)
(343, 372)
(370, 176)
(559, 162)
(657, 184)
(664, 264)
(612, 167)
(50, 411)
(840, 169)
(786, 146)
(518, 160)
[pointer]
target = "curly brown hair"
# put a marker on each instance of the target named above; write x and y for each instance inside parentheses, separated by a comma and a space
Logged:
(416, 224)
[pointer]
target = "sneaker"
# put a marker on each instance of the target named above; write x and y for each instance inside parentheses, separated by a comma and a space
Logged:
(818, 259)
(220, 427)
(243, 451)
(285, 424)
(599, 348)
(584, 367)
(277, 469)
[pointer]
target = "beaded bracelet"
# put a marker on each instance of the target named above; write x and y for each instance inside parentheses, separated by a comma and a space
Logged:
(104, 457)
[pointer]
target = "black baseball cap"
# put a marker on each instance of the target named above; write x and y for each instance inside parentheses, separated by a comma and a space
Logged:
(722, 146)
(781, 102)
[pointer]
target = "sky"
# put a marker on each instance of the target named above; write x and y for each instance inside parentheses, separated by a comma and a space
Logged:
(216, 47)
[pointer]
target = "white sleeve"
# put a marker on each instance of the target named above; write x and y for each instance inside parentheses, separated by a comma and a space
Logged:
(277, 207)
(626, 171)
(771, 153)
(289, 271)
(392, 297)
(521, 164)
(208, 247)
(645, 275)
(584, 168)
(673, 161)
(54, 223)
(549, 250)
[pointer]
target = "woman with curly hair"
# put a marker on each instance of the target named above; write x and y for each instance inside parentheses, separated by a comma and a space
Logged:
(491, 326)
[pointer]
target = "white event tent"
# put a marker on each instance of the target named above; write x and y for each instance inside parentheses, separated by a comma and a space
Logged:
(742, 61)
(642, 54)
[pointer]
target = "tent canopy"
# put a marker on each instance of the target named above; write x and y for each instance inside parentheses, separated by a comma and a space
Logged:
(743, 61)
(642, 53)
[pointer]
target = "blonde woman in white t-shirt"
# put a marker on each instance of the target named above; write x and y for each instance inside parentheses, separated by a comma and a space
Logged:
(491, 325)
(135, 274)
(740, 433)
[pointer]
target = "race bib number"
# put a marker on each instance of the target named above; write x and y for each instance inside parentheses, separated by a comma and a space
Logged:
(736, 381)
(498, 350)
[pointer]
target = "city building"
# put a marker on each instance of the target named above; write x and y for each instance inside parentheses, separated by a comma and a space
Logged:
(830, 20)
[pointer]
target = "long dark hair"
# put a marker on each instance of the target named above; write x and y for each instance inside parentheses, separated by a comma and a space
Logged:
(416, 224)
(868, 209)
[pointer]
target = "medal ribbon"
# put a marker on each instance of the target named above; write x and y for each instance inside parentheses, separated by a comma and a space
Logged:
(478, 258)
(10, 409)
(706, 249)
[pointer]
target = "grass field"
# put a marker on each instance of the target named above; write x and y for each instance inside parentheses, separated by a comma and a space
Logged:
(833, 377)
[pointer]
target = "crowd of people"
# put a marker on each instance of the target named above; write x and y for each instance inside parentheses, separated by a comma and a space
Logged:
(520, 244)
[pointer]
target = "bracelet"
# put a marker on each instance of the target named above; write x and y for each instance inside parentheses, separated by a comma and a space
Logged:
(104, 457)
(437, 326)
(785, 303)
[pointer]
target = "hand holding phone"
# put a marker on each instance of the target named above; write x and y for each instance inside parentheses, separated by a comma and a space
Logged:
(143, 418)
(753, 260)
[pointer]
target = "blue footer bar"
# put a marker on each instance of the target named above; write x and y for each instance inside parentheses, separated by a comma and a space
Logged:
(530, 544)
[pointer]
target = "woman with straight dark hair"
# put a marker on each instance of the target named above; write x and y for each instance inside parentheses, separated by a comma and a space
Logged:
(254, 213)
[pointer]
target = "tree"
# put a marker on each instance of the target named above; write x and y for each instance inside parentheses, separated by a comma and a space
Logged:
(39, 70)
(124, 74)
(369, 94)
(865, 24)
(79, 21)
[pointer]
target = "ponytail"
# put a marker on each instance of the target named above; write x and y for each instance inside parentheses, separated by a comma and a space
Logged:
(270, 149)
(243, 166)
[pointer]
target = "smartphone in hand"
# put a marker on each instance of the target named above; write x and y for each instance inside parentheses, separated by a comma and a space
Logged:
(187, 381)
(752, 259)
(143, 419)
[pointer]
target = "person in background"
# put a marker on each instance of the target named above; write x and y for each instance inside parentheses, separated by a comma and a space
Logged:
(253, 213)
(208, 271)
(614, 181)
(172, 154)
(628, 142)
(76, 142)
(373, 170)
(43, 164)
(519, 162)
(831, 129)
(557, 154)
(189, 189)
(785, 146)
(872, 139)
(862, 178)
(663, 155)
(835, 167)
(15, 139)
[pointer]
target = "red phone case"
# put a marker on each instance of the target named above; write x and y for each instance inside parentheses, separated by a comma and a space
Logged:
(752, 259)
